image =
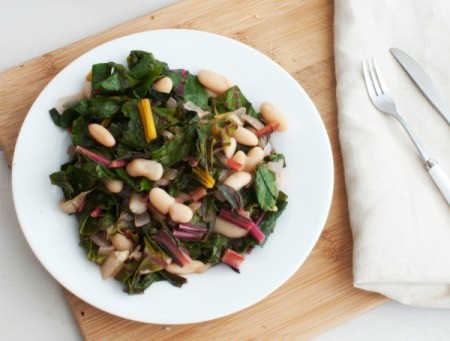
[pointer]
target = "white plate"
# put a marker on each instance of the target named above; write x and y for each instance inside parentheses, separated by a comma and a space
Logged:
(53, 236)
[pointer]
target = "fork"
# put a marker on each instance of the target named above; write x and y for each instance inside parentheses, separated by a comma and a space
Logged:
(384, 101)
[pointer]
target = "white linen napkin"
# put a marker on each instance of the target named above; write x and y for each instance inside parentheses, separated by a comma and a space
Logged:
(400, 221)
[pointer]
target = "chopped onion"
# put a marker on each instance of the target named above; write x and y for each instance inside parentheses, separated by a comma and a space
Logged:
(192, 107)
(267, 149)
(183, 197)
(87, 90)
(105, 250)
(68, 102)
(225, 174)
(276, 166)
(158, 215)
(170, 174)
(72, 205)
(141, 219)
(239, 112)
(171, 103)
(263, 141)
(167, 134)
(194, 206)
(99, 239)
(253, 121)
(162, 182)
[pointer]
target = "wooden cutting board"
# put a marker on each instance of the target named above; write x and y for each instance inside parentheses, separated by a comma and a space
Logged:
(299, 36)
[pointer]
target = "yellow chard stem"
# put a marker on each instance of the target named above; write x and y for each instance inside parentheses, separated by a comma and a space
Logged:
(204, 177)
(145, 111)
(89, 76)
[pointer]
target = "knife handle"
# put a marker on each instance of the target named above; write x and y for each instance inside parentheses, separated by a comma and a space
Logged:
(440, 178)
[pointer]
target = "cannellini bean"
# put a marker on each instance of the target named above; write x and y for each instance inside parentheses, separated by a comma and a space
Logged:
(113, 263)
(238, 180)
(230, 149)
(213, 81)
(254, 157)
(195, 266)
(235, 119)
(180, 213)
(164, 84)
(122, 243)
(137, 205)
(113, 185)
(227, 229)
(271, 113)
(245, 137)
(161, 200)
(102, 135)
(240, 157)
(152, 170)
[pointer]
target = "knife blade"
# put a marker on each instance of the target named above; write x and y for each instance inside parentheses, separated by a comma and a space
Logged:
(423, 82)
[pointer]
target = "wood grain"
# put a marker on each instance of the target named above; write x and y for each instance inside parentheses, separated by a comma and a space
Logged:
(299, 36)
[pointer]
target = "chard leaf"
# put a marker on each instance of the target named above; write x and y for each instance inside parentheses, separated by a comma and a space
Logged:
(191, 88)
(92, 250)
(234, 99)
(267, 225)
(99, 107)
(174, 150)
(111, 78)
(265, 188)
(60, 179)
(80, 135)
(138, 184)
(138, 283)
(65, 120)
(142, 63)
(231, 195)
(210, 250)
(133, 133)
(275, 157)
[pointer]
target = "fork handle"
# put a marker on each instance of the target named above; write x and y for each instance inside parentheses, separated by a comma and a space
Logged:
(440, 178)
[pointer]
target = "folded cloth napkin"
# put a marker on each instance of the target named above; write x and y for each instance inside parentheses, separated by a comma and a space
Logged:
(400, 221)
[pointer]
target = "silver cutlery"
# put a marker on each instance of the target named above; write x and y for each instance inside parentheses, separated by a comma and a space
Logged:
(383, 101)
(423, 82)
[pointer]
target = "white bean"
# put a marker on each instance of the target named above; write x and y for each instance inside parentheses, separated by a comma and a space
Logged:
(213, 81)
(238, 180)
(180, 213)
(227, 229)
(113, 263)
(271, 113)
(102, 135)
(161, 200)
(245, 137)
(254, 157)
(164, 84)
(230, 149)
(122, 243)
(195, 266)
(137, 205)
(141, 167)
(240, 157)
(113, 185)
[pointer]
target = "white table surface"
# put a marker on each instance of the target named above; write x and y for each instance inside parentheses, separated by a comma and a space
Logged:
(32, 305)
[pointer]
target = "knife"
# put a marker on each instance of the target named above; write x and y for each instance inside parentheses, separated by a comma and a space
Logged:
(423, 82)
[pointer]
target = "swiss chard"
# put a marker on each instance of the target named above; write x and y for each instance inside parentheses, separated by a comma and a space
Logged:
(265, 188)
